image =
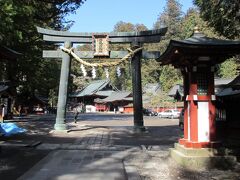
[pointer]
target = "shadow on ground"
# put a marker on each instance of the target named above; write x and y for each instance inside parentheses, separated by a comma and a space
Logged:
(151, 157)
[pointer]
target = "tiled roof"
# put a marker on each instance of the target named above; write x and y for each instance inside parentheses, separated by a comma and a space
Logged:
(232, 88)
(220, 81)
(176, 89)
(200, 46)
(104, 93)
(151, 88)
(8, 53)
(92, 88)
(118, 96)
(3, 88)
(228, 92)
(201, 39)
(235, 82)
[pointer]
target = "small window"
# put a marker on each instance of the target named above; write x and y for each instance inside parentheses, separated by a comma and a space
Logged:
(202, 83)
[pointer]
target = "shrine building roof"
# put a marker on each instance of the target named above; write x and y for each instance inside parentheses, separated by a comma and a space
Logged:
(94, 88)
(7, 53)
(116, 96)
(198, 48)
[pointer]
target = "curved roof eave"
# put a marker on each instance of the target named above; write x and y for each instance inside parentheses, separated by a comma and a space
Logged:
(9, 53)
(221, 47)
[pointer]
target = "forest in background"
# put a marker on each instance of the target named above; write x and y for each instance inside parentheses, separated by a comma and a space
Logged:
(38, 76)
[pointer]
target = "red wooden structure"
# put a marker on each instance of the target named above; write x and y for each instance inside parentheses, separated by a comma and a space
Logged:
(197, 57)
(101, 107)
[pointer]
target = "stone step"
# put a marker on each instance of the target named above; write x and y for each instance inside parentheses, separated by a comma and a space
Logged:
(203, 161)
(67, 146)
(201, 151)
(20, 143)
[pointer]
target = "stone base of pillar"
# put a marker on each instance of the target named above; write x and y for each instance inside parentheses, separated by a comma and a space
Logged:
(60, 127)
(203, 158)
(59, 131)
(190, 144)
(182, 141)
(139, 129)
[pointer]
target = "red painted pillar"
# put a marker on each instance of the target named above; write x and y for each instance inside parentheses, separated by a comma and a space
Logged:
(193, 106)
(186, 120)
(212, 108)
(199, 127)
(186, 92)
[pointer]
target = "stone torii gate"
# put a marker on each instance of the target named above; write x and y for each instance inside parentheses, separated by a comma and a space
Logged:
(100, 42)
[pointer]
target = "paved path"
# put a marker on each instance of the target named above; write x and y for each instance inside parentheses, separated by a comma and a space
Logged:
(78, 164)
(89, 157)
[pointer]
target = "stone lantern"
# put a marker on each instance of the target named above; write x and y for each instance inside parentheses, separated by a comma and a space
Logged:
(196, 57)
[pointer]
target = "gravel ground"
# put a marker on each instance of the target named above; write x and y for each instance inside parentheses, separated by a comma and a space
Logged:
(157, 165)
(153, 162)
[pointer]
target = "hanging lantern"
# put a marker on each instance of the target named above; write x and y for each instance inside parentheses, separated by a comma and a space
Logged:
(83, 70)
(118, 71)
(93, 72)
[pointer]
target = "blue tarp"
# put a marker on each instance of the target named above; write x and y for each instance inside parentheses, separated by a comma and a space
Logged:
(8, 129)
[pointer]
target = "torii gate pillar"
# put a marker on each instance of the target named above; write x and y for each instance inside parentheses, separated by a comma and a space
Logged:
(63, 90)
(137, 89)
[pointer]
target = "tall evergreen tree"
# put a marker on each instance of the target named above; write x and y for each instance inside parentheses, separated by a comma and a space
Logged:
(18, 31)
(192, 19)
(228, 69)
(172, 18)
(223, 15)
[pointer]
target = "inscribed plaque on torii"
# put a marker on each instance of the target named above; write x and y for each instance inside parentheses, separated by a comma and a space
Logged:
(100, 44)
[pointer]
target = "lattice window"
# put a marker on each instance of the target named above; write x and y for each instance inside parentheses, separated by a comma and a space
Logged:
(202, 83)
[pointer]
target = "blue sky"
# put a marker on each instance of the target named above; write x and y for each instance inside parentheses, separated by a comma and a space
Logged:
(102, 15)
